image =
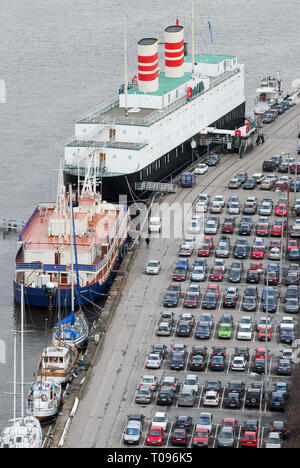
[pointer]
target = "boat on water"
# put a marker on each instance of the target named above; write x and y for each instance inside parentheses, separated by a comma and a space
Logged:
(268, 94)
(43, 261)
(152, 130)
(23, 432)
(44, 400)
(57, 363)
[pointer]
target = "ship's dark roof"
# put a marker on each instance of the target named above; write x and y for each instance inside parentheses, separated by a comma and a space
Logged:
(173, 29)
(147, 41)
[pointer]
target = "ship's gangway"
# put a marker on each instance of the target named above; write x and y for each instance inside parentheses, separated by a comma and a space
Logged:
(155, 187)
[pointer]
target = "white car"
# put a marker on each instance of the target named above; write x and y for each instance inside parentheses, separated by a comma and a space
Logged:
(216, 207)
(211, 398)
(194, 288)
(169, 381)
(246, 319)
(201, 207)
(287, 322)
(191, 380)
(274, 253)
(201, 169)
(210, 227)
(204, 197)
(220, 263)
(160, 420)
(238, 363)
(205, 421)
(219, 199)
(259, 177)
(198, 273)
(153, 361)
(153, 267)
(234, 208)
(245, 332)
(273, 440)
(189, 241)
(286, 353)
(265, 209)
(149, 380)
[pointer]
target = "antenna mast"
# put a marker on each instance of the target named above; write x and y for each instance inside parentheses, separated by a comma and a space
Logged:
(125, 65)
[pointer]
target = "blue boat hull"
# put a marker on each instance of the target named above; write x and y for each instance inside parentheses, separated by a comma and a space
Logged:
(37, 297)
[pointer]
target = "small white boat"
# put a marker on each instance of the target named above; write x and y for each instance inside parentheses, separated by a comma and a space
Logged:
(22, 433)
(44, 400)
(57, 363)
(269, 93)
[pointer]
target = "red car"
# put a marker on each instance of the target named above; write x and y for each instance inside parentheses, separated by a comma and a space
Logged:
(228, 228)
(201, 438)
(280, 185)
(293, 244)
(281, 210)
(179, 274)
(216, 274)
(258, 252)
(213, 288)
(191, 300)
(231, 422)
(208, 240)
(260, 353)
(275, 243)
(276, 230)
(256, 266)
(272, 278)
(249, 439)
(262, 229)
(204, 250)
(179, 437)
(155, 436)
(262, 334)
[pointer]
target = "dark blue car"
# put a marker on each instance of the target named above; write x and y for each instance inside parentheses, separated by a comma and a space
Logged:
(203, 331)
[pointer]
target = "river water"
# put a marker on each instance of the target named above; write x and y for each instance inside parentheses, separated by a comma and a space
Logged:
(61, 58)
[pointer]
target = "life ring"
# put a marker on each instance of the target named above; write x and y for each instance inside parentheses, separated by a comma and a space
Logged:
(44, 397)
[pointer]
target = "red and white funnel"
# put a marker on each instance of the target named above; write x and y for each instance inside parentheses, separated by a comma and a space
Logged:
(174, 51)
(148, 65)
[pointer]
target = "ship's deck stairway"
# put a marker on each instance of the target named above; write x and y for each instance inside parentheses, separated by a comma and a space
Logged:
(155, 187)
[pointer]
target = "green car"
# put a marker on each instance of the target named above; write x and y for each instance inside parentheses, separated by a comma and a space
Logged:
(225, 331)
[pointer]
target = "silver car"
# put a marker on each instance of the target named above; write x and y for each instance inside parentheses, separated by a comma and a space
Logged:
(187, 396)
(265, 209)
(292, 305)
(144, 395)
(225, 437)
(198, 273)
(210, 227)
(234, 208)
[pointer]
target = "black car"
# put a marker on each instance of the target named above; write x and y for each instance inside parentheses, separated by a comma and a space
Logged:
(253, 398)
(171, 299)
(184, 422)
(219, 351)
(209, 301)
(258, 366)
(213, 385)
(235, 386)
(165, 396)
(253, 276)
(251, 425)
(203, 331)
(229, 300)
(277, 401)
(277, 159)
(250, 184)
(183, 328)
(245, 229)
(199, 350)
(197, 363)
(242, 351)
(233, 400)
(217, 363)
(249, 304)
(234, 275)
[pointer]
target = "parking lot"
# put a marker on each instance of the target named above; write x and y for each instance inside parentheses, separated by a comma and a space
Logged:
(133, 331)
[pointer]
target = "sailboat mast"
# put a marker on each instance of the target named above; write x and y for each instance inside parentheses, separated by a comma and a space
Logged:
(71, 252)
(15, 376)
(193, 37)
(22, 350)
(125, 64)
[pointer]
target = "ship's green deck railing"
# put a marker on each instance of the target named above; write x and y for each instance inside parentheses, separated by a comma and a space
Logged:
(97, 115)
(106, 144)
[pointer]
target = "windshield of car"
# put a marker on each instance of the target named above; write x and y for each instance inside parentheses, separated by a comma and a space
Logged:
(155, 432)
(132, 431)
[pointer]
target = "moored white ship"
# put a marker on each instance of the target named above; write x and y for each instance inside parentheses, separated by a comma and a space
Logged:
(145, 134)
(268, 94)
(44, 400)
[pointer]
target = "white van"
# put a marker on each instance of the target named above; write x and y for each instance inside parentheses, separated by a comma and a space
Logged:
(154, 224)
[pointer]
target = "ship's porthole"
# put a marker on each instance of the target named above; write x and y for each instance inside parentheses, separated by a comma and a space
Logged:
(129, 156)
(114, 156)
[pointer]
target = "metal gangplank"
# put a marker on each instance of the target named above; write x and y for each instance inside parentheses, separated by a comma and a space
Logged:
(155, 187)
